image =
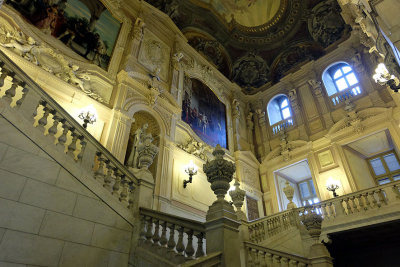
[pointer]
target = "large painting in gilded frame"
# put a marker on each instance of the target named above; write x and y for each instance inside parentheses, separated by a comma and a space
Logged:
(85, 26)
(204, 112)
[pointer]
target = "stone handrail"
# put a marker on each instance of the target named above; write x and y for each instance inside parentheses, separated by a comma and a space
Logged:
(341, 97)
(262, 256)
(282, 125)
(19, 93)
(178, 249)
(269, 226)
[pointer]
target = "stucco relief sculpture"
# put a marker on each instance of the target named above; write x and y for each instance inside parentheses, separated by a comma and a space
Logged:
(250, 71)
(198, 149)
(48, 59)
(143, 151)
(326, 25)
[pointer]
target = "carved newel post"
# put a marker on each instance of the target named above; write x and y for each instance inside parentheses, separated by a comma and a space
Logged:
(237, 196)
(222, 226)
(289, 193)
(319, 255)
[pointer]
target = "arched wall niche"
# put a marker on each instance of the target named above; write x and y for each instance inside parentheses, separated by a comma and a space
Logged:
(140, 118)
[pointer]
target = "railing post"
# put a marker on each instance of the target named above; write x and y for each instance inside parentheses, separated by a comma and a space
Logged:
(222, 225)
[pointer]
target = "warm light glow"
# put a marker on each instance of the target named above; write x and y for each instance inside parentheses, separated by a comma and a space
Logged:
(382, 75)
(88, 114)
(191, 168)
(332, 183)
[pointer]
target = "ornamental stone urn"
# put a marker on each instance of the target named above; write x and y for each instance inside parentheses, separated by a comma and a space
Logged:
(219, 173)
(147, 151)
(237, 197)
(313, 222)
(289, 193)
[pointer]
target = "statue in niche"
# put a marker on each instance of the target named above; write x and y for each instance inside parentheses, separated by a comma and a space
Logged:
(138, 137)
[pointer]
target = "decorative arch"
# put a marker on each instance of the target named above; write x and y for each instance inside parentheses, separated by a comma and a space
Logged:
(278, 109)
(341, 76)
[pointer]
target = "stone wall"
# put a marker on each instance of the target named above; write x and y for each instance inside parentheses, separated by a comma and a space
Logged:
(47, 217)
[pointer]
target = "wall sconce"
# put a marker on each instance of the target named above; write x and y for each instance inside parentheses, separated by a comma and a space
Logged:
(88, 115)
(383, 77)
(190, 169)
(332, 185)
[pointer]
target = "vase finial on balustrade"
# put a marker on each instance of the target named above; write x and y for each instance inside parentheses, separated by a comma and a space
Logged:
(289, 193)
(237, 196)
(219, 174)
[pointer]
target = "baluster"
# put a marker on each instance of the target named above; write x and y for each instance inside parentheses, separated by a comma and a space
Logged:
(124, 192)
(83, 143)
(4, 74)
(361, 202)
(43, 121)
(117, 183)
(131, 195)
(293, 263)
(348, 207)
(353, 199)
(171, 240)
(382, 198)
(108, 178)
(62, 139)
(53, 129)
(374, 201)
(99, 174)
(268, 259)
(156, 235)
(276, 260)
(24, 92)
(180, 247)
(189, 247)
(142, 235)
(72, 145)
(149, 230)
(367, 203)
(163, 239)
(10, 92)
(199, 251)
(263, 262)
(284, 262)
(256, 259)
(250, 261)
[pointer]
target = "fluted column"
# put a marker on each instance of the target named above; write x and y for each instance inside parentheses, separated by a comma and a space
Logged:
(222, 226)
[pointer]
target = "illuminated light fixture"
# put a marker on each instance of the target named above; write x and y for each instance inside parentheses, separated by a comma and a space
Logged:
(332, 185)
(383, 77)
(190, 169)
(88, 115)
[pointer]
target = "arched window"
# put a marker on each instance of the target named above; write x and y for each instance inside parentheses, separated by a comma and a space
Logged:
(278, 109)
(341, 77)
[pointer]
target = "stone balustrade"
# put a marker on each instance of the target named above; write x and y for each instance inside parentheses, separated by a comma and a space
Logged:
(341, 97)
(360, 202)
(262, 256)
(282, 125)
(174, 238)
(24, 97)
(269, 226)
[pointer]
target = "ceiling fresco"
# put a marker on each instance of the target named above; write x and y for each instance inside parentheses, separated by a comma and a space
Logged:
(249, 13)
(254, 43)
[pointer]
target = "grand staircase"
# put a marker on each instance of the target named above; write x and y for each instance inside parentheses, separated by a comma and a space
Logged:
(289, 238)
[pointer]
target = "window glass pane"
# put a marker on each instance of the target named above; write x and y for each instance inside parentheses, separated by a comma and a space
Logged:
(284, 103)
(312, 187)
(351, 78)
(377, 166)
(337, 74)
(396, 178)
(304, 190)
(384, 181)
(286, 113)
(391, 162)
(341, 84)
(346, 69)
